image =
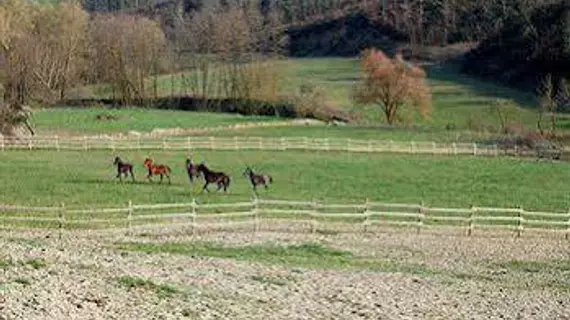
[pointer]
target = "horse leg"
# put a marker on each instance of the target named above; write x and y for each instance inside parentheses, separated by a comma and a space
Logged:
(206, 187)
(168, 176)
(132, 175)
(160, 178)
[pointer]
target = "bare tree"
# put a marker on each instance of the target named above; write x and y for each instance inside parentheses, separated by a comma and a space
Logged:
(392, 84)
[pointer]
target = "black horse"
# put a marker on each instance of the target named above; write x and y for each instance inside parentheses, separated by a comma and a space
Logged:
(123, 168)
(219, 178)
(192, 170)
(257, 179)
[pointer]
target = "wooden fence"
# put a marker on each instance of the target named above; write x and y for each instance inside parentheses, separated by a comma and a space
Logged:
(317, 216)
(250, 143)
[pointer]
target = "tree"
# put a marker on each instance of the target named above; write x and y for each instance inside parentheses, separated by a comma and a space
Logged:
(392, 84)
(125, 51)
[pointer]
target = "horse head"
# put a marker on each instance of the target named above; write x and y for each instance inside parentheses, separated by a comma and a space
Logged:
(147, 162)
(247, 172)
(117, 160)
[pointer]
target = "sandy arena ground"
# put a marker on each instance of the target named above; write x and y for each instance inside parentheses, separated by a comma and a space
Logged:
(79, 279)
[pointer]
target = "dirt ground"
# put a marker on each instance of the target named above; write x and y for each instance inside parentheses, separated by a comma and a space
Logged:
(477, 278)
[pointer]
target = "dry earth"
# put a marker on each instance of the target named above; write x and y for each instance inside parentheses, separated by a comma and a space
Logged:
(78, 278)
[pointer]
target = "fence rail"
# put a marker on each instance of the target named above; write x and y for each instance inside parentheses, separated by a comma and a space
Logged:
(317, 215)
(178, 143)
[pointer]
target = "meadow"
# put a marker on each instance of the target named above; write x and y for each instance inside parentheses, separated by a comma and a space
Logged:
(87, 179)
(79, 121)
(463, 107)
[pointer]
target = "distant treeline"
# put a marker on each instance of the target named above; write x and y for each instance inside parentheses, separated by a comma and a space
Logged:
(428, 22)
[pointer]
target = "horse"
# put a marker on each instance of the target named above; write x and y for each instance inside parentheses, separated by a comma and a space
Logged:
(192, 170)
(257, 179)
(220, 178)
(160, 169)
(123, 168)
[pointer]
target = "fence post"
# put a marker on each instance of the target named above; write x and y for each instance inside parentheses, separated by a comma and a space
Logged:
(568, 226)
(412, 145)
(327, 145)
(139, 142)
(236, 144)
(366, 215)
(129, 217)
(496, 149)
(520, 226)
(474, 149)
(283, 144)
(370, 145)
(391, 145)
(164, 143)
(30, 143)
(2, 141)
(211, 139)
(454, 149)
(57, 143)
(256, 213)
(85, 143)
(470, 220)
(433, 145)
(420, 217)
(112, 143)
(61, 218)
(314, 213)
(193, 216)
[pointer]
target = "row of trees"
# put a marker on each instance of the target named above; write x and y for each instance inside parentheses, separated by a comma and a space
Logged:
(47, 49)
(424, 21)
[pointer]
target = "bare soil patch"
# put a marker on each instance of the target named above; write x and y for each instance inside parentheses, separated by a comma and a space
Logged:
(479, 277)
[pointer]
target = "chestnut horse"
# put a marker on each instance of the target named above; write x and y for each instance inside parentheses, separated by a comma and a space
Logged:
(123, 168)
(157, 169)
(257, 179)
(192, 170)
(219, 178)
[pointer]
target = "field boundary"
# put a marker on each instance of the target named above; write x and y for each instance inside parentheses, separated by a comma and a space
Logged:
(317, 215)
(237, 143)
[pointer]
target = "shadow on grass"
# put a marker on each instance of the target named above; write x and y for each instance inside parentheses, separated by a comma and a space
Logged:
(450, 73)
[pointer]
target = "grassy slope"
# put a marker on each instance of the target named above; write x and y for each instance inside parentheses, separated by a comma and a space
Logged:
(79, 121)
(48, 178)
(457, 100)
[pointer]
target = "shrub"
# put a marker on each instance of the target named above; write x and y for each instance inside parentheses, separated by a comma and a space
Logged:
(392, 84)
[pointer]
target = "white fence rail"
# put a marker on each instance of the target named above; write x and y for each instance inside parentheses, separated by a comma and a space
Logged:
(178, 143)
(318, 215)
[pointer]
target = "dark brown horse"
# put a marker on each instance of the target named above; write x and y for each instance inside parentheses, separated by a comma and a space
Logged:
(192, 170)
(123, 168)
(219, 178)
(257, 179)
(157, 169)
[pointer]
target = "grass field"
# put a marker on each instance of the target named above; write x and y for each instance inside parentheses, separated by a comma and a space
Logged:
(456, 98)
(460, 104)
(83, 121)
(87, 179)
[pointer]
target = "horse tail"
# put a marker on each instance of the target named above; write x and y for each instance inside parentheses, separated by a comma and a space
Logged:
(168, 169)
(227, 180)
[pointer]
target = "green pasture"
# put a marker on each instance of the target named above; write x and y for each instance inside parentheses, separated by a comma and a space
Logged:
(460, 104)
(87, 179)
(84, 120)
